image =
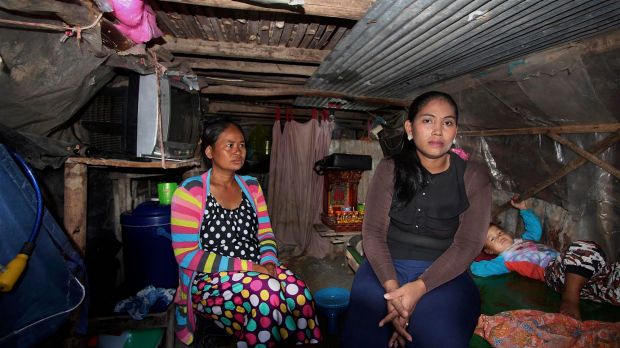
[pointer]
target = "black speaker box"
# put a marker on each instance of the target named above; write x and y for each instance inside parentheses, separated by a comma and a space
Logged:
(343, 161)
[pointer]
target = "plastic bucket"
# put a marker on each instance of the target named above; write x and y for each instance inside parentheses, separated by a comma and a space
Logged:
(331, 302)
(147, 248)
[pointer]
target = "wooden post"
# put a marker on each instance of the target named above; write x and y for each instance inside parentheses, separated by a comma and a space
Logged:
(76, 181)
(571, 166)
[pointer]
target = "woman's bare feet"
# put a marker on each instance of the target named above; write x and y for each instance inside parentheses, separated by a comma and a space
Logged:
(570, 308)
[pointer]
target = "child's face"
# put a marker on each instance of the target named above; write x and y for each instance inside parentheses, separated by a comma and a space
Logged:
(497, 241)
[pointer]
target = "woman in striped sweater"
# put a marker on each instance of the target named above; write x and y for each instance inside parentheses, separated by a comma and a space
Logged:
(228, 266)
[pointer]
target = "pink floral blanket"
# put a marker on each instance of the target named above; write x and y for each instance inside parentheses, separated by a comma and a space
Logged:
(531, 328)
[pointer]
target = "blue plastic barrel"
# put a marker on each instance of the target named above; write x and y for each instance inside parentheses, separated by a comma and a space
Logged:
(147, 248)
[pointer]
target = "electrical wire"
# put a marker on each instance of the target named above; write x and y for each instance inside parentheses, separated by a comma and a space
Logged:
(50, 316)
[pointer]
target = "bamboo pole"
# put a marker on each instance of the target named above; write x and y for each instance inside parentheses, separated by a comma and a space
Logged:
(590, 157)
(571, 166)
(577, 128)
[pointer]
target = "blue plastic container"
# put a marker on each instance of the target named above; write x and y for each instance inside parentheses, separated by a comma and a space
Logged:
(332, 302)
(147, 248)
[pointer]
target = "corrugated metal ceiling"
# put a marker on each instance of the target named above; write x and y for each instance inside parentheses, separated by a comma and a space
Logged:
(400, 46)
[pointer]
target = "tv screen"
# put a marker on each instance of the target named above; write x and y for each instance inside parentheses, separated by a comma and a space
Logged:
(121, 119)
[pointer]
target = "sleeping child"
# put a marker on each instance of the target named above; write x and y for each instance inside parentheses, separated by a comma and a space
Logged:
(579, 272)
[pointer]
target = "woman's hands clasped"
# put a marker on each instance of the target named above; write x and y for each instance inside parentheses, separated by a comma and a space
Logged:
(401, 302)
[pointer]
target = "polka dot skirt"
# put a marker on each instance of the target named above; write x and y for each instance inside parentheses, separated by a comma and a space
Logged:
(257, 309)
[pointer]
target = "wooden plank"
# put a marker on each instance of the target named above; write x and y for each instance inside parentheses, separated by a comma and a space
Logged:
(299, 31)
(226, 24)
(286, 34)
(215, 24)
(233, 50)
(164, 23)
(310, 32)
(255, 77)
(347, 9)
(241, 30)
(178, 27)
(130, 164)
(329, 30)
(273, 92)
(254, 113)
(226, 78)
(188, 19)
(227, 82)
(236, 108)
(245, 66)
(314, 44)
(72, 14)
(577, 128)
(596, 150)
(585, 154)
(205, 24)
(340, 32)
(75, 198)
(263, 32)
(276, 29)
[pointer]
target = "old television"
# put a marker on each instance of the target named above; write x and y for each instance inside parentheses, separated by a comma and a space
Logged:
(122, 122)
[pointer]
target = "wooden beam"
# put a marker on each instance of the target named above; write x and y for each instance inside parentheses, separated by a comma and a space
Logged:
(569, 167)
(242, 50)
(585, 154)
(226, 75)
(267, 113)
(236, 108)
(104, 162)
(214, 81)
(72, 14)
(577, 128)
(351, 9)
(252, 67)
(300, 91)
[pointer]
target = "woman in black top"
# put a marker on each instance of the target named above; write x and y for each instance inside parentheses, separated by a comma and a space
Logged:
(427, 212)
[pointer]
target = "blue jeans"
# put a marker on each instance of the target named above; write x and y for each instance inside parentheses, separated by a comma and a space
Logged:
(444, 317)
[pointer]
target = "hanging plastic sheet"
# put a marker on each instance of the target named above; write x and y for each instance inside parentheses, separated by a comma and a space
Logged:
(581, 205)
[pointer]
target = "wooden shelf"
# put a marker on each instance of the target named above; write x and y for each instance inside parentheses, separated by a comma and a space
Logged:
(120, 163)
(76, 185)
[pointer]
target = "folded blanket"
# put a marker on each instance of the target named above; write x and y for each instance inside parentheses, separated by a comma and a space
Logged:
(531, 328)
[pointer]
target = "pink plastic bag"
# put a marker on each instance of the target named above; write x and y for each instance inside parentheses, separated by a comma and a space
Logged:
(136, 20)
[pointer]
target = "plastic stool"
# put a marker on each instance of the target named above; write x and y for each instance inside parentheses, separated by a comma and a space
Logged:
(332, 302)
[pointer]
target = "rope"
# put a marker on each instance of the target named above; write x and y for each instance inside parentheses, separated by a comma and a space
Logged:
(159, 72)
(69, 30)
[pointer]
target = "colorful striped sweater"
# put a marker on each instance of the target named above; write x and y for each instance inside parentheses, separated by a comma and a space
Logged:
(188, 205)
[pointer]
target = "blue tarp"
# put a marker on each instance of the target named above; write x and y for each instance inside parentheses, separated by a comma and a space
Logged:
(50, 289)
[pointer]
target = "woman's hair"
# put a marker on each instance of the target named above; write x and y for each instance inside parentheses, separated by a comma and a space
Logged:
(212, 128)
(409, 174)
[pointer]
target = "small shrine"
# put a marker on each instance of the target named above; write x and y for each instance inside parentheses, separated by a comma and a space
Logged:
(341, 211)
